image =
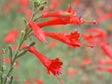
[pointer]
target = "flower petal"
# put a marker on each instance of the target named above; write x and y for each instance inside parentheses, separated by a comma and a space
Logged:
(38, 32)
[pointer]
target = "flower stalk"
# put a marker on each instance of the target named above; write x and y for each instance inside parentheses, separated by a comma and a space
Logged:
(19, 52)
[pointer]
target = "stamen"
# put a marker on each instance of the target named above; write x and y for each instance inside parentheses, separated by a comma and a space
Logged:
(61, 82)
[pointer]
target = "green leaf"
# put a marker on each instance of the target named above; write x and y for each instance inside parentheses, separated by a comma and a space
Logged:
(10, 53)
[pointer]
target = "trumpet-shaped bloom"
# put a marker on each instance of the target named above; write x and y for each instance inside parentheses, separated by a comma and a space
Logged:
(71, 39)
(58, 13)
(54, 66)
(11, 36)
(103, 61)
(63, 17)
(107, 49)
(107, 69)
(85, 62)
(38, 32)
(95, 36)
(105, 16)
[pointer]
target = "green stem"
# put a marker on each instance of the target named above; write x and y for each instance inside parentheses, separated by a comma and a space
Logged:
(11, 80)
(1, 80)
(10, 70)
(13, 60)
(18, 52)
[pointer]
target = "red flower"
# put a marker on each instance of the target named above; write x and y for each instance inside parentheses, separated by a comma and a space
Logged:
(54, 21)
(98, 33)
(8, 6)
(58, 13)
(95, 36)
(85, 62)
(70, 18)
(103, 61)
(28, 81)
(71, 39)
(107, 69)
(71, 71)
(24, 2)
(11, 36)
(89, 38)
(107, 49)
(36, 81)
(38, 32)
(7, 60)
(65, 20)
(76, 2)
(104, 17)
(53, 66)
(39, 81)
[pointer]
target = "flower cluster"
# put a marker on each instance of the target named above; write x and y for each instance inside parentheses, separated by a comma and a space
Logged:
(59, 17)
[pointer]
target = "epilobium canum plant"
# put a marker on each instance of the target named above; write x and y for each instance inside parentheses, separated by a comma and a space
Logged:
(34, 26)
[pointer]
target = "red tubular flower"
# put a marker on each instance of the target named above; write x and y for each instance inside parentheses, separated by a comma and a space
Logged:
(98, 33)
(8, 6)
(85, 62)
(7, 60)
(36, 81)
(70, 18)
(65, 20)
(103, 61)
(107, 49)
(11, 36)
(28, 81)
(58, 13)
(104, 17)
(71, 10)
(38, 32)
(89, 39)
(24, 2)
(76, 2)
(53, 66)
(54, 21)
(71, 39)
(95, 36)
(71, 71)
(107, 69)
(39, 81)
